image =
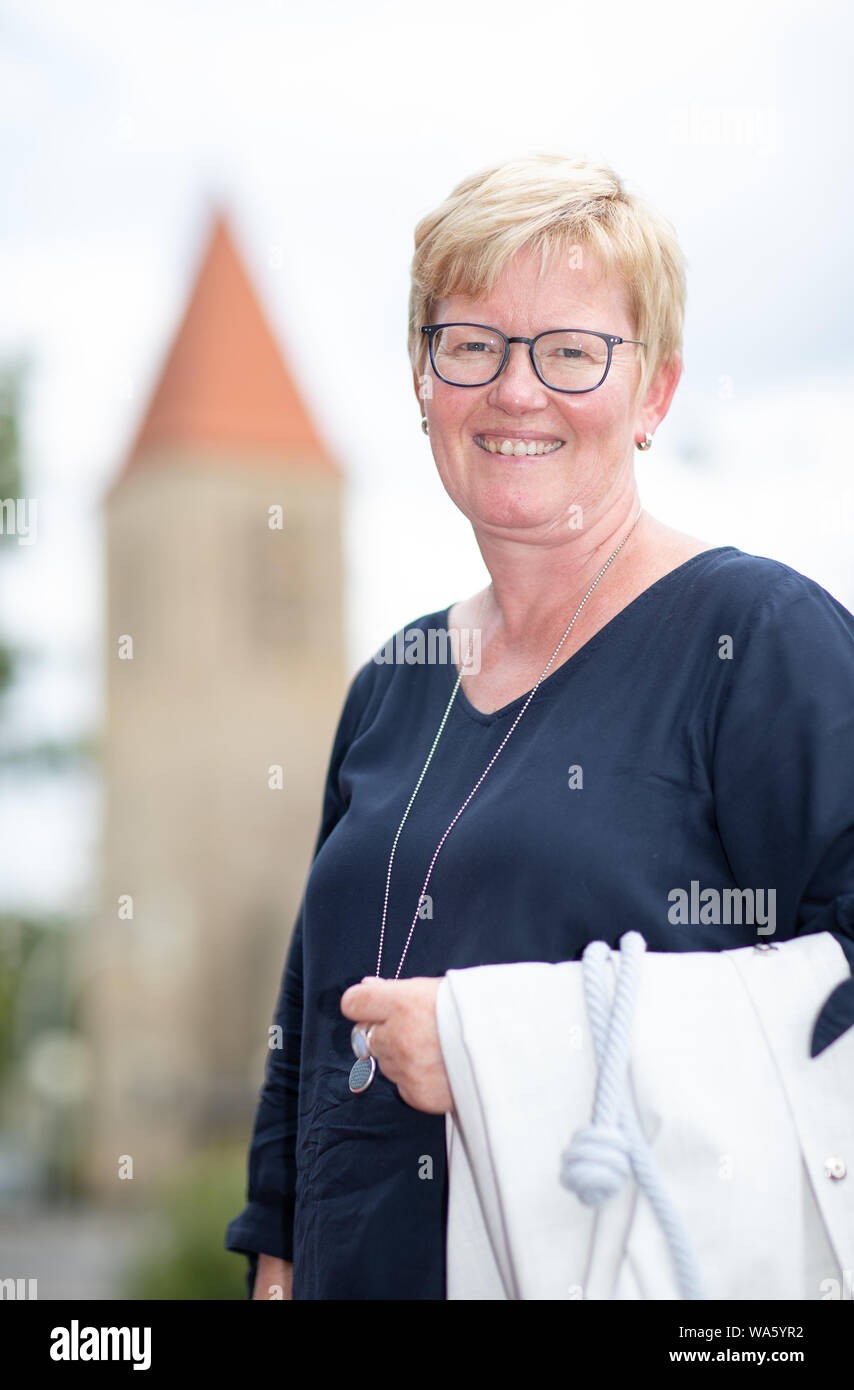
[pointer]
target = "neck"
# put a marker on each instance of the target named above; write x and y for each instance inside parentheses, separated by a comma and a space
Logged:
(533, 584)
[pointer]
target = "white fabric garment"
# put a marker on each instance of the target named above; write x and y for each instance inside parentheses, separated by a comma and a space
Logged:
(739, 1118)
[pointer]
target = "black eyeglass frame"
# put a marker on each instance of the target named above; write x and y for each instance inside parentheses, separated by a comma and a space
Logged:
(610, 339)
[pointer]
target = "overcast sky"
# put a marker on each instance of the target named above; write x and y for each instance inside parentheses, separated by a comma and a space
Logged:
(328, 130)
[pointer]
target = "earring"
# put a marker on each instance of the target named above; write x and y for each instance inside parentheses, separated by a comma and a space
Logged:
(645, 443)
(425, 427)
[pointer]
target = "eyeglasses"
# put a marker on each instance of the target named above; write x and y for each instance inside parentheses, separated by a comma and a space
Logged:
(572, 360)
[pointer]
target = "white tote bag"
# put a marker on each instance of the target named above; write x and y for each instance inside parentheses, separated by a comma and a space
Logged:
(749, 1139)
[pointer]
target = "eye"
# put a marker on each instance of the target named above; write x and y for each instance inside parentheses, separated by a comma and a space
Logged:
(463, 347)
(458, 341)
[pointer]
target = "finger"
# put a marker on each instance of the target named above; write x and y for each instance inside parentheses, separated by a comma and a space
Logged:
(379, 1037)
(371, 999)
(386, 1052)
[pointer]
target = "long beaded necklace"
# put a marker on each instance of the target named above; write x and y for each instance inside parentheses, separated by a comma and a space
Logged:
(363, 1069)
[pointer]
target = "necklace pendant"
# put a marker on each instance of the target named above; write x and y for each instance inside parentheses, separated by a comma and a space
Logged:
(362, 1074)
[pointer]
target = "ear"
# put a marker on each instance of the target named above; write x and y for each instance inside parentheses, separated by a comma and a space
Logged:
(423, 385)
(654, 405)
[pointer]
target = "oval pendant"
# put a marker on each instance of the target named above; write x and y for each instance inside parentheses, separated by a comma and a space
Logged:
(362, 1074)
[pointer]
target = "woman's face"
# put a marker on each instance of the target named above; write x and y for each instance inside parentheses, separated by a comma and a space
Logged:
(538, 494)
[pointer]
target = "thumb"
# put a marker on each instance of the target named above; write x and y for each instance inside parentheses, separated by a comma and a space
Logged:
(371, 999)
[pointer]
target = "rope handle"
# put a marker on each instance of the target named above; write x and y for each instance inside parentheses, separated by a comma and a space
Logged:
(601, 1155)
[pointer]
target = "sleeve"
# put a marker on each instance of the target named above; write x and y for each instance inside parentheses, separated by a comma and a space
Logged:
(783, 761)
(265, 1225)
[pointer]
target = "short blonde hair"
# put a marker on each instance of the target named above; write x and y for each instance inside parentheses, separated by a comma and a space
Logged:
(551, 203)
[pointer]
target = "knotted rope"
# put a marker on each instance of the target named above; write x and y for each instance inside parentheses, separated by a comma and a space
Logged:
(601, 1155)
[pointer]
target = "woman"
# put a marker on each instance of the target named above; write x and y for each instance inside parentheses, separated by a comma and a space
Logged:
(647, 711)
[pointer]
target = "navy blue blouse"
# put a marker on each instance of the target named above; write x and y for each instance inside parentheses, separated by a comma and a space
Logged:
(701, 741)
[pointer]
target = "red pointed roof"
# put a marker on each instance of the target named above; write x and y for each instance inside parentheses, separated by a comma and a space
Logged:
(225, 383)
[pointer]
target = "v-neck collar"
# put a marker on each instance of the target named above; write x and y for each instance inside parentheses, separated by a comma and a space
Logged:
(578, 657)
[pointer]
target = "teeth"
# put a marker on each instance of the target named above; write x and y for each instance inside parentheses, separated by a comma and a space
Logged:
(518, 447)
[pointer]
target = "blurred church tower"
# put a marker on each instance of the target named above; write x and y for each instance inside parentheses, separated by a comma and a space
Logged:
(225, 675)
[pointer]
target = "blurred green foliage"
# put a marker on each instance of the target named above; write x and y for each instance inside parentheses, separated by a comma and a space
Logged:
(33, 983)
(11, 476)
(37, 997)
(11, 392)
(196, 1206)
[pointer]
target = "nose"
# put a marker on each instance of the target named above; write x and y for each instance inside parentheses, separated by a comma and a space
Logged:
(518, 388)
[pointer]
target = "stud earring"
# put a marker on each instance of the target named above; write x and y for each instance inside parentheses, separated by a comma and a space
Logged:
(645, 443)
(425, 427)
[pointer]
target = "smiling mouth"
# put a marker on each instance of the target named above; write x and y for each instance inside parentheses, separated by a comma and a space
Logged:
(494, 444)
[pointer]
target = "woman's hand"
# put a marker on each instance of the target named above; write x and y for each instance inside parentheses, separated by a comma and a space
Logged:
(405, 1040)
(274, 1278)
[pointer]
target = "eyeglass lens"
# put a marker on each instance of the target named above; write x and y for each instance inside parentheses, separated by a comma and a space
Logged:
(467, 356)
